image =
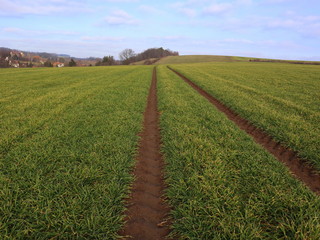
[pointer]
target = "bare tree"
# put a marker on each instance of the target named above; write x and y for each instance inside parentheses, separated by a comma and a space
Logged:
(127, 55)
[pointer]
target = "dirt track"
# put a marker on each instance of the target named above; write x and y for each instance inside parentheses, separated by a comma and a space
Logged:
(299, 167)
(147, 212)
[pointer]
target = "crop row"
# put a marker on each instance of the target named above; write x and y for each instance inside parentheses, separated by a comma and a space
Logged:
(281, 99)
(68, 139)
(222, 185)
(65, 166)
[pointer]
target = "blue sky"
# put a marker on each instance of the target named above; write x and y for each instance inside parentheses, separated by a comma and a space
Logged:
(286, 29)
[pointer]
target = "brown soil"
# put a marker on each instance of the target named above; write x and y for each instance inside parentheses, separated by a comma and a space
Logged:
(147, 212)
(299, 167)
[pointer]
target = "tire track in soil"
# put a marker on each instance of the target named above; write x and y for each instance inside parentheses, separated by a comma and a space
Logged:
(300, 168)
(147, 212)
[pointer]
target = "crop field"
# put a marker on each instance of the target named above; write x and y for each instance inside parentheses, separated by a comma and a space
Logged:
(68, 137)
(221, 184)
(200, 59)
(282, 99)
(76, 146)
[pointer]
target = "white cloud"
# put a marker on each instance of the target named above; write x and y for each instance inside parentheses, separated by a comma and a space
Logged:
(306, 25)
(276, 1)
(25, 32)
(218, 8)
(188, 12)
(120, 17)
(40, 7)
(101, 38)
(189, 8)
(236, 40)
(192, 8)
(149, 9)
(122, 1)
(173, 38)
(244, 2)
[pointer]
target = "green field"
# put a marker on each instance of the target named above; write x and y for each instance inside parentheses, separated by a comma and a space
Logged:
(187, 59)
(222, 184)
(69, 137)
(143, 62)
(68, 140)
(282, 99)
(199, 59)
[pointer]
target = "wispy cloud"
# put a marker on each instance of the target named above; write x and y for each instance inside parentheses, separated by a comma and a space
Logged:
(150, 9)
(120, 17)
(193, 8)
(218, 8)
(189, 12)
(276, 1)
(305, 25)
(25, 32)
(189, 8)
(122, 1)
(102, 38)
(40, 7)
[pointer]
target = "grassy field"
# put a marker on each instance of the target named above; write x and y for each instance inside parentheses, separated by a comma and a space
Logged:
(68, 140)
(186, 59)
(143, 62)
(282, 99)
(199, 59)
(221, 184)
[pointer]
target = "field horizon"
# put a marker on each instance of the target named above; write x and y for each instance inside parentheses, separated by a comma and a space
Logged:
(182, 59)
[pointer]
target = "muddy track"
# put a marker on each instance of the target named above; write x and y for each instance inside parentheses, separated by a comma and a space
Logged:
(147, 212)
(299, 167)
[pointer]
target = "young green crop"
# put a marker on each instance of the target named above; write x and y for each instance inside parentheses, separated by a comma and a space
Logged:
(199, 59)
(282, 99)
(69, 137)
(221, 184)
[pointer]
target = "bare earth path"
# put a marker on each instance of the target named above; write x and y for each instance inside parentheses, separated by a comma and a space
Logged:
(147, 212)
(299, 167)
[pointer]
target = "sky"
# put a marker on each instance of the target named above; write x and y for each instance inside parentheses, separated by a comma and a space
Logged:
(281, 29)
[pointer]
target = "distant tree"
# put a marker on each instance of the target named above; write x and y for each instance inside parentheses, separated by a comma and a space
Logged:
(48, 64)
(4, 63)
(61, 59)
(72, 63)
(29, 65)
(4, 52)
(15, 57)
(98, 63)
(108, 60)
(126, 56)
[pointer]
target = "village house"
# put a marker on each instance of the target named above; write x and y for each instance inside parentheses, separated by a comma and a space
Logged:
(58, 64)
(14, 64)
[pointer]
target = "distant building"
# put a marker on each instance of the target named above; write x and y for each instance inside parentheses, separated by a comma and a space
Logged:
(14, 64)
(36, 59)
(58, 64)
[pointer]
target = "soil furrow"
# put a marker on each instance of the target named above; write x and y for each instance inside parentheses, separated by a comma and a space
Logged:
(299, 167)
(147, 212)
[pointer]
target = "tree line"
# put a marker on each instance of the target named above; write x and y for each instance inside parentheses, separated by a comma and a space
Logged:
(15, 58)
(128, 56)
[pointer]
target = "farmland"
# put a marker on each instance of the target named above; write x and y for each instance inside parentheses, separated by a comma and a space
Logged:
(222, 185)
(68, 138)
(199, 59)
(71, 140)
(281, 99)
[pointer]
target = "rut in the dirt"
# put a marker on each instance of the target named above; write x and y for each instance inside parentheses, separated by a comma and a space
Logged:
(299, 167)
(147, 212)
